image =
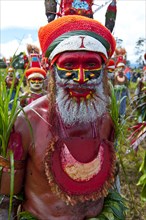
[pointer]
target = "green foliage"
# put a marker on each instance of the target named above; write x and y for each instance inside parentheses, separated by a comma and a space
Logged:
(120, 125)
(20, 61)
(139, 50)
(114, 111)
(114, 207)
(121, 135)
(142, 180)
(7, 119)
(26, 216)
(11, 183)
(2, 63)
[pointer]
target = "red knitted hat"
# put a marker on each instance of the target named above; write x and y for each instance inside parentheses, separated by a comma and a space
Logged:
(35, 72)
(74, 32)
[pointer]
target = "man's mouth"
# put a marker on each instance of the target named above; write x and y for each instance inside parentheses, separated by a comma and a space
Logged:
(81, 93)
(37, 86)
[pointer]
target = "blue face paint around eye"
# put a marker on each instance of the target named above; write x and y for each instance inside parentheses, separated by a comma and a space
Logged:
(75, 74)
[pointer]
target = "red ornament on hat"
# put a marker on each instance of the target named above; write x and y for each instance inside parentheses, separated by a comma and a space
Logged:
(111, 64)
(35, 70)
(35, 60)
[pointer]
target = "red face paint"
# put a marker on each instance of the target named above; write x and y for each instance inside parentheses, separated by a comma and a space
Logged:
(79, 67)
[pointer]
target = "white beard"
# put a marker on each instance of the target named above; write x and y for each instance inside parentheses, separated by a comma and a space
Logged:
(86, 111)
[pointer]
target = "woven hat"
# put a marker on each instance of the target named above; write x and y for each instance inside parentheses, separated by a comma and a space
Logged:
(35, 72)
(73, 33)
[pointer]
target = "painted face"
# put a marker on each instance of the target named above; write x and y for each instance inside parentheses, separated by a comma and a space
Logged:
(36, 84)
(121, 69)
(110, 73)
(11, 72)
(79, 66)
(110, 70)
(79, 86)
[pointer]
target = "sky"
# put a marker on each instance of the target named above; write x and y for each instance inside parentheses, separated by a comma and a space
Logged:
(20, 21)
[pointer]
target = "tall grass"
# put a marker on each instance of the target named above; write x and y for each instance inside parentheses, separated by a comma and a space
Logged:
(7, 117)
(7, 120)
(124, 149)
(121, 128)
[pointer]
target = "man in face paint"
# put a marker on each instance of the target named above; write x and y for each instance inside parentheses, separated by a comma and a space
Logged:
(79, 86)
(110, 70)
(35, 76)
(11, 81)
(71, 160)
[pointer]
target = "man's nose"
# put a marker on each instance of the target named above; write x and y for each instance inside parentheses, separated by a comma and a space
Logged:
(37, 81)
(81, 76)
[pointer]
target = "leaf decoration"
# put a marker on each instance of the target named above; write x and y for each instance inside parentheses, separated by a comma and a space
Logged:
(114, 207)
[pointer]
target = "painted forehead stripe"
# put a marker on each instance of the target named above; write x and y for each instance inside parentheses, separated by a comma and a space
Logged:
(78, 40)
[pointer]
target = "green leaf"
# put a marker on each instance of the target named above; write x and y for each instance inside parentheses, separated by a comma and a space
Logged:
(93, 219)
(11, 184)
(115, 196)
(101, 217)
(142, 180)
(143, 193)
(143, 165)
(108, 215)
(26, 216)
(118, 212)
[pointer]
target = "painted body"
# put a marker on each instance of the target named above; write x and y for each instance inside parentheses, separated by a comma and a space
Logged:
(56, 185)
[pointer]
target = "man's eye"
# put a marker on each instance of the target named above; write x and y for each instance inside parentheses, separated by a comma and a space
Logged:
(91, 64)
(68, 65)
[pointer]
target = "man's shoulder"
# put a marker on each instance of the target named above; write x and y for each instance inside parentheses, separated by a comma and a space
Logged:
(41, 102)
(39, 106)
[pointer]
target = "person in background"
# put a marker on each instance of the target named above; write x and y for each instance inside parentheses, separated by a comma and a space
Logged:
(11, 82)
(45, 66)
(140, 96)
(121, 84)
(83, 8)
(110, 69)
(35, 77)
(138, 130)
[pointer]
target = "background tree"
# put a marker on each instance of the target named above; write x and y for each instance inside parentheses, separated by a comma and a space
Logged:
(139, 51)
(3, 64)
